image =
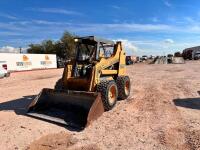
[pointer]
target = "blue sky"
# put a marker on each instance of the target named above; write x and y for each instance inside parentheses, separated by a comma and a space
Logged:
(155, 27)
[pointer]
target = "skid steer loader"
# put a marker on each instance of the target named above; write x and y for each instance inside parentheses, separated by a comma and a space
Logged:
(91, 84)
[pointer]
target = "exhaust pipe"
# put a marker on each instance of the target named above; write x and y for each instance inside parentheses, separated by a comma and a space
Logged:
(72, 108)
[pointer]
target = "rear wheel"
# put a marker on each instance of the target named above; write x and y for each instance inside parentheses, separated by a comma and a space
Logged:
(109, 93)
(124, 86)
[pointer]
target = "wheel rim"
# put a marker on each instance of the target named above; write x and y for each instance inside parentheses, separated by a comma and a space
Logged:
(112, 94)
(127, 87)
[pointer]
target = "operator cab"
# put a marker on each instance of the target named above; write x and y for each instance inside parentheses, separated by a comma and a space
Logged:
(92, 47)
(88, 51)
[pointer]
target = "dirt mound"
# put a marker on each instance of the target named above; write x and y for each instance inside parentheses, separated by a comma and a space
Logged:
(161, 60)
(52, 141)
(178, 60)
(59, 141)
(168, 60)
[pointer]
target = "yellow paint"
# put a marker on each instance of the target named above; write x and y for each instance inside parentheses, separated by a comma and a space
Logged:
(100, 68)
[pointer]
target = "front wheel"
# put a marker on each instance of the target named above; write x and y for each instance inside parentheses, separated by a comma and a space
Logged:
(109, 93)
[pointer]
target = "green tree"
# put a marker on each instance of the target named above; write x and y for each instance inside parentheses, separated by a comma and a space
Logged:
(68, 45)
(35, 49)
(64, 48)
(48, 47)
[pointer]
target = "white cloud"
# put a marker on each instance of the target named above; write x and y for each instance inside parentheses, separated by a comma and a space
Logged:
(123, 28)
(156, 47)
(190, 20)
(155, 19)
(18, 30)
(56, 11)
(8, 16)
(168, 41)
(128, 45)
(115, 7)
(167, 3)
(7, 33)
(10, 49)
(9, 26)
(167, 44)
(103, 29)
(140, 27)
(146, 42)
(44, 22)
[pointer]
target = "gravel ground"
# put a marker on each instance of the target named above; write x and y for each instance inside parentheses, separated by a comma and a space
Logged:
(163, 112)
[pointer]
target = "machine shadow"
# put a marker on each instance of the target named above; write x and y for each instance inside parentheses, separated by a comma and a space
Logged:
(192, 103)
(20, 107)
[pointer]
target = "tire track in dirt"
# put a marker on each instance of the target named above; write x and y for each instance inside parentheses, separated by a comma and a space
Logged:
(182, 88)
(164, 119)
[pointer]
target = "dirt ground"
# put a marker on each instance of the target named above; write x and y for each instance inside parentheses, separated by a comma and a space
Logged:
(163, 112)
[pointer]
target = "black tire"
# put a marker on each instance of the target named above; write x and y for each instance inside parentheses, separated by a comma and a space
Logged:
(106, 88)
(59, 84)
(124, 86)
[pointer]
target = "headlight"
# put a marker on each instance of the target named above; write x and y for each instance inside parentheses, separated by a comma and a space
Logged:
(75, 40)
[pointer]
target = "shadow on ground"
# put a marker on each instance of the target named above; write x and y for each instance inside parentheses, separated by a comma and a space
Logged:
(192, 103)
(20, 107)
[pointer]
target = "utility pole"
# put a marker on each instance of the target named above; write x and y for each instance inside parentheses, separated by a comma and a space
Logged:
(20, 50)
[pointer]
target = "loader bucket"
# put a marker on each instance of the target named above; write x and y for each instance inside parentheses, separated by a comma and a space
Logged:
(72, 108)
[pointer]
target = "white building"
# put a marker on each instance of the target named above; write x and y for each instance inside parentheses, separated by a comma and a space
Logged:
(19, 62)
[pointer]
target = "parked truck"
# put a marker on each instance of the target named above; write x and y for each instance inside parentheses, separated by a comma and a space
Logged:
(4, 69)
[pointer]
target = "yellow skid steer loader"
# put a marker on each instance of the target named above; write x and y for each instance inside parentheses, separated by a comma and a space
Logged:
(91, 84)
